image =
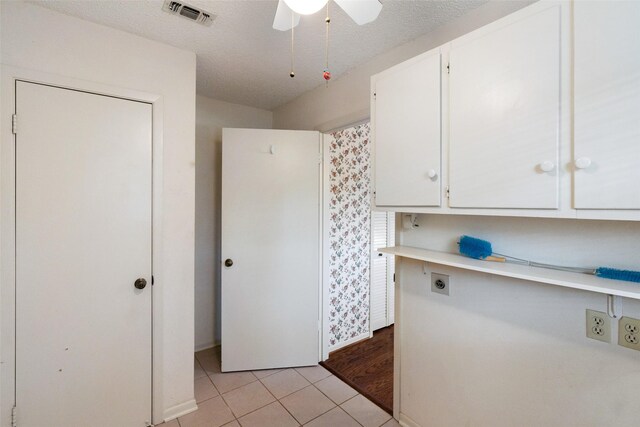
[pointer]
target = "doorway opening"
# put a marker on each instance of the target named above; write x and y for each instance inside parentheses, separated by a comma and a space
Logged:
(358, 280)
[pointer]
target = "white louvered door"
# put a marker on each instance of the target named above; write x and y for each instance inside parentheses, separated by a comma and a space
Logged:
(381, 271)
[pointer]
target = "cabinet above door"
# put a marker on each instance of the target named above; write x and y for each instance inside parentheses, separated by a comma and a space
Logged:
(504, 115)
(406, 124)
(607, 105)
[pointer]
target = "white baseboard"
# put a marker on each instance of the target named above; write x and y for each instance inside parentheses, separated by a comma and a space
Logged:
(180, 410)
(349, 342)
(407, 422)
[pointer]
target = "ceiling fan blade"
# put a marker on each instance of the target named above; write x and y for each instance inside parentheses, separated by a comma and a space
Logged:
(282, 20)
(361, 11)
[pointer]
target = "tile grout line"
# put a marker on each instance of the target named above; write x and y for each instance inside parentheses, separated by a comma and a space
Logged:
(278, 400)
(331, 409)
(337, 404)
(386, 421)
(347, 412)
(234, 414)
(260, 379)
(236, 418)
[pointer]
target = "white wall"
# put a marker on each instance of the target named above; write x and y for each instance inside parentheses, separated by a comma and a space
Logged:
(346, 100)
(38, 39)
(211, 117)
(505, 352)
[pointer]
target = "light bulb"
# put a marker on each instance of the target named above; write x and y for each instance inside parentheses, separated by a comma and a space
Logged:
(305, 7)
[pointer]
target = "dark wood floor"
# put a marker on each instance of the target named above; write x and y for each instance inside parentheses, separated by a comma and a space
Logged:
(367, 366)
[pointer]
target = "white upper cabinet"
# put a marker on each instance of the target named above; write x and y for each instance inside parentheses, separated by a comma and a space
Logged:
(406, 122)
(504, 114)
(607, 105)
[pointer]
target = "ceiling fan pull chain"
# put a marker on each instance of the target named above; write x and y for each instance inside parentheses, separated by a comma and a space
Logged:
(292, 74)
(327, 74)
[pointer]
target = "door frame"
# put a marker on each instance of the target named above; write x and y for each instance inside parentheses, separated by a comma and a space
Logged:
(9, 75)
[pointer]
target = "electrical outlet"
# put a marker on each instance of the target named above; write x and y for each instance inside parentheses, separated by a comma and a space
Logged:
(440, 283)
(598, 326)
(629, 333)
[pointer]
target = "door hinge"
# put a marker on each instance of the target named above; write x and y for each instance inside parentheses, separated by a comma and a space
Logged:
(448, 68)
(447, 193)
(375, 95)
(14, 414)
(319, 158)
(152, 279)
(394, 277)
(14, 124)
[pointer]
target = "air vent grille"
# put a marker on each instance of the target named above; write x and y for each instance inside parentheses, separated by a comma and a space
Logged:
(189, 12)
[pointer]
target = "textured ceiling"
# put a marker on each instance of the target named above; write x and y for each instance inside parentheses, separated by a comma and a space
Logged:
(241, 59)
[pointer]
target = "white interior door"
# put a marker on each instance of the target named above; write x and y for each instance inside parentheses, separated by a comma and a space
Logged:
(83, 237)
(271, 233)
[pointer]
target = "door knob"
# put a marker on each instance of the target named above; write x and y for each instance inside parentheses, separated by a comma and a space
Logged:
(140, 283)
(228, 262)
(432, 174)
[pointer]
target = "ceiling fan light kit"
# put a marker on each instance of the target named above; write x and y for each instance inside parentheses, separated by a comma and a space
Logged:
(361, 11)
(288, 17)
(305, 7)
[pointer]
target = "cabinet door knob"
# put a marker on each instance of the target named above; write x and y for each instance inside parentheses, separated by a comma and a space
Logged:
(228, 262)
(432, 174)
(582, 162)
(547, 166)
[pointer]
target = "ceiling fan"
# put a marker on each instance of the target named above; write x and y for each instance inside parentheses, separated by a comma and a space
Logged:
(289, 11)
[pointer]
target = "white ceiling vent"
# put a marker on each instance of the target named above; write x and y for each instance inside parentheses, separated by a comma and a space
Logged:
(187, 11)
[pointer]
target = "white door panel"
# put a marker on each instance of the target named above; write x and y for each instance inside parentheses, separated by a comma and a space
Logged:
(607, 104)
(83, 236)
(505, 116)
(271, 232)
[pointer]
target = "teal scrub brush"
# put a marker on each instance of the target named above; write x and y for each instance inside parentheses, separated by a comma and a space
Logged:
(481, 249)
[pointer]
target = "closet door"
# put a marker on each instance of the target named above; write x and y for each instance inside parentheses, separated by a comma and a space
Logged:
(407, 133)
(382, 270)
(505, 115)
(607, 105)
(378, 270)
(83, 259)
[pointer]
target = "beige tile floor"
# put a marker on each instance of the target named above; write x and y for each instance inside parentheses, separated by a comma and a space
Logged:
(308, 396)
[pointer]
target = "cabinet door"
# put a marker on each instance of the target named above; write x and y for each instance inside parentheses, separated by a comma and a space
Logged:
(607, 105)
(407, 134)
(505, 115)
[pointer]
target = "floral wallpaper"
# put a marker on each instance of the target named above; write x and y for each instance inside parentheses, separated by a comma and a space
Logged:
(349, 234)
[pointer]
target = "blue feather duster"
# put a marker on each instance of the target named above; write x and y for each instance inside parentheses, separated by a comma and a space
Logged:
(473, 247)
